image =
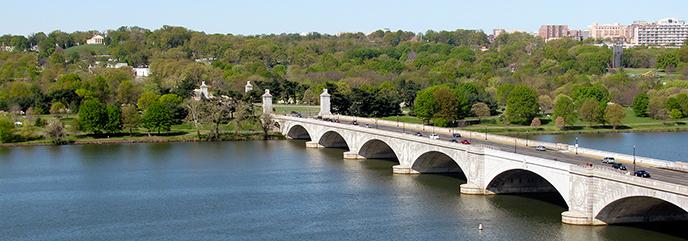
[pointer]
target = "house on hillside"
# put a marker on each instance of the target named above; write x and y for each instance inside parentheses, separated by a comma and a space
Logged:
(141, 72)
(97, 39)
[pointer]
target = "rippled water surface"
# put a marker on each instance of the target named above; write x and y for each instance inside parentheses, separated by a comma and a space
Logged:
(276, 190)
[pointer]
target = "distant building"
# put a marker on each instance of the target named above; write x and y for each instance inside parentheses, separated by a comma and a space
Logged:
(248, 87)
(97, 39)
(550, 32)
(498, 31)
(665, 32)
(202, 93)
(610, 31)
(142, 72)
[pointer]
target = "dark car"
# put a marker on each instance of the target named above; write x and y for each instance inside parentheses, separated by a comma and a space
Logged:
(456, 135)
(642, 173)
(454, 140)
(296, 114)
(354, 123)
(419, 134)
(619, 166)
(465, 142)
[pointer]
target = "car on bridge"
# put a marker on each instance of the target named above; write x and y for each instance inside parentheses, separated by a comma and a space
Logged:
(642, 173)
(456, 135)
(434, 137)
(608, 160)
(619, 166)
(419, 134)
(541, 148)
(465, 142)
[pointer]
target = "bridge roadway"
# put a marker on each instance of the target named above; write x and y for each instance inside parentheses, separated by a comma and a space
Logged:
(665, 175)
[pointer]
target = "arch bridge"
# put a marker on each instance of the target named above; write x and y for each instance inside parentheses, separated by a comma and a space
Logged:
(593, 196)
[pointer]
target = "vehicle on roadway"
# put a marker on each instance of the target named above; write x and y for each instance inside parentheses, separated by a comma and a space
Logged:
(619, 166)
(540, 148)
(434, 137)
(642, 173)
(419, 134)
(456, 135)
(296, 114)
(608, 160)
(454, 140)
(465, 142)
(354, 123)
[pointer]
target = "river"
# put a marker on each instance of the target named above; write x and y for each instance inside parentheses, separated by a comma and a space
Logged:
(274, 190)
(660, 145)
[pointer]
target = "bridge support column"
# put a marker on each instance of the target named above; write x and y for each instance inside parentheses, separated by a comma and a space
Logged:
(473, 189)
(578, 218)
(399, 169)
(353, 155)
(313, 144)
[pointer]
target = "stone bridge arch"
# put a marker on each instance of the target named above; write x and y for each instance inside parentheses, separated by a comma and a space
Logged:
(635, 209)
(298, 132)
(378, 149)
(436, 162)
(520, 180)
(333, 139)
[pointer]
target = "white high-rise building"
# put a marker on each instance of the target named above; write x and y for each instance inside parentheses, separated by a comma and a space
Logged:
(665, 32)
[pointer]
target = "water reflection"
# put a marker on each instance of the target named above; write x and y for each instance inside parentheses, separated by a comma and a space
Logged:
(264, 190)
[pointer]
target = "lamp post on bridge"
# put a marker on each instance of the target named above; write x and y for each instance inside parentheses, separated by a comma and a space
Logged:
(634, 159)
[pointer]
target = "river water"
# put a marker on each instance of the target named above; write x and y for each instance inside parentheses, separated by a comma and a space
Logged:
(672, 146)
(274, 190)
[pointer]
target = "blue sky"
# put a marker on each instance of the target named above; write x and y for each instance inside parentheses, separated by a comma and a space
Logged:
(296, 16)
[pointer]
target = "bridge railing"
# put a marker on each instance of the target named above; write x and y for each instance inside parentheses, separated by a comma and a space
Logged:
(611, 174)
(646, 161)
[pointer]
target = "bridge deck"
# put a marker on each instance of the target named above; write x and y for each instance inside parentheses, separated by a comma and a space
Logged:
(670, 176)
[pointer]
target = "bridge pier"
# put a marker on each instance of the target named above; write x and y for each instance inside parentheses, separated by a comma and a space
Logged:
(578, 218)
(473, 189)
(399, 169)
(313, 144)
(353, 155)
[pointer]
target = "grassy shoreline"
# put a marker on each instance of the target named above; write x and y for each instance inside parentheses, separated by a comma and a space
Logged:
(89, 140)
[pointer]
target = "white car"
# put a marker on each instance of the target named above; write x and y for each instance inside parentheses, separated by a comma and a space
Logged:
(608, 160)
(541, 148)
(434, 137)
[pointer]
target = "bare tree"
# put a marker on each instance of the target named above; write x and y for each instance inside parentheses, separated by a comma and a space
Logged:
(217, 113)
(196, 114)
(266, 123)
(56, 132)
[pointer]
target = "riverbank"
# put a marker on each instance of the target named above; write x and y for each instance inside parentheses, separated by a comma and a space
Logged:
(143, 138)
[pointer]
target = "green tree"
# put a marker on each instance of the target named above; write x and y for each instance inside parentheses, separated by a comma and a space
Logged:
(6, 129)
(130, 118)
(668, 61)
(425, 105)
(564, 108)
(590, 111)
(675, 114)
(93, 116)
(521, 105)
(114, 123)
(614, 115)
(158, 117)
(447, 105)
(640, 104)
(146, 99)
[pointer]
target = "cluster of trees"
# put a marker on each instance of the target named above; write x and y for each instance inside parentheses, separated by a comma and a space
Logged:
(443, 76)
(444, 104)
